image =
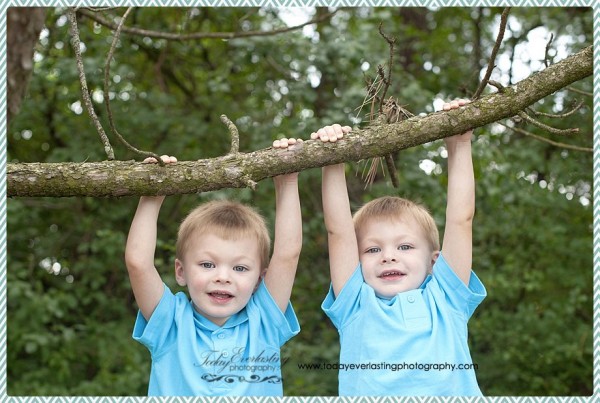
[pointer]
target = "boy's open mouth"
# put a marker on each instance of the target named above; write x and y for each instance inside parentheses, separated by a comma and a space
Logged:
(391, 275)
(220, 296)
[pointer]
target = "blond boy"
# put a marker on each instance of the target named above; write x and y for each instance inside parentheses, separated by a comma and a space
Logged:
(224, 337)
(400, 305)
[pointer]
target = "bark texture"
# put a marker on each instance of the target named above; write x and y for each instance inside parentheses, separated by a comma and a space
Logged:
(128, 178)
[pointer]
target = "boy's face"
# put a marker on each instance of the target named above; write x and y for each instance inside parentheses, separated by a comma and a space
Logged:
(395, 255)
(220, 274)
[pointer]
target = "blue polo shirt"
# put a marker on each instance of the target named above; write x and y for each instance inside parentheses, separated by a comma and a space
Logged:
(191, 356)
(414, 344)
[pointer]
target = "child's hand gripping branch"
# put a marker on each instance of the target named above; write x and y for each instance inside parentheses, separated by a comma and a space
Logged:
(460, 207)
(287, 244)
(145, 280)
(341, 238)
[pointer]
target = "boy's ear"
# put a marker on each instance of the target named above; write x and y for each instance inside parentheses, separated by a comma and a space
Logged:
(179, 273)
(260, 277)
(434, 257)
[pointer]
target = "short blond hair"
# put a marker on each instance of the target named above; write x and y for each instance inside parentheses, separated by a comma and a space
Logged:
(394, 208)
(228, 220)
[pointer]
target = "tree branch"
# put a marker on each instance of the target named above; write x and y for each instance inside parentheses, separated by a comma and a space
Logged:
(575, 108)
(198, 35)
(126, 178)
(387, 80)
(111, 120)
(540, 138)
(492, 61)
(550, 129)
(74, 31)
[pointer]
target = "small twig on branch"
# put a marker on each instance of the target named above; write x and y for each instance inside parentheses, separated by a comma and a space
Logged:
(554, 143)
(386, 85)
(107, 96)
(199, 35)
(550, 129)
(491, 64)
(546, 53)
(575, 90)
(389, 162)
(98, 9)
(392, 113)
(235, 136)
(84, 88)
(576, 107)
(249, 182)
(497, 85)
(235, 147)
(387, 80)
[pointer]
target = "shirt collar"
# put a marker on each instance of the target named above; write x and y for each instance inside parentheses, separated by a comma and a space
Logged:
(233, 321)
(392, 300)
(424, 284)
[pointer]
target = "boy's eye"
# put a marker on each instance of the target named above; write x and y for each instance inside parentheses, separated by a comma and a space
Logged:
(404, 247)
(373, 250)
(240, 268)
(207, 265)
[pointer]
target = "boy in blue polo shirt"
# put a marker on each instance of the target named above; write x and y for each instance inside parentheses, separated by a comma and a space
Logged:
(400, 305)
(225, 338)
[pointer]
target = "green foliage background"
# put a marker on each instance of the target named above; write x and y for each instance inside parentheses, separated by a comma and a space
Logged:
(70, 306)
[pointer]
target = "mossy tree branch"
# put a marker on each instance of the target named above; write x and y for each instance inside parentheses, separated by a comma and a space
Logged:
(128, 178)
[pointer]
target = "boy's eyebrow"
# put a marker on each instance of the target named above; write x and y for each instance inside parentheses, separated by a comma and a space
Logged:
(377, 239)
(212, 255)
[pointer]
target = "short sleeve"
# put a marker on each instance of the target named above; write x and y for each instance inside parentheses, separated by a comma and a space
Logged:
(285, 324)
(154, 333)
(461, 297)
(342, 309)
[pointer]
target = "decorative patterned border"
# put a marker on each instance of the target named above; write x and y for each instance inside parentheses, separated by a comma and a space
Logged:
(298, 3)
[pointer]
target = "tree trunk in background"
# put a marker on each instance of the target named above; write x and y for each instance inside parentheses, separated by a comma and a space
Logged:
(24, 25)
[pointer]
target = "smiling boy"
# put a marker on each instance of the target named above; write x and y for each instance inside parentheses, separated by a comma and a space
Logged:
(398, 242)
(238, 307)
(400, 305)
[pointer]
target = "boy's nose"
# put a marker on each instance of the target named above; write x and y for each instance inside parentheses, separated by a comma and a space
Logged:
(222, 276)
(388, 258)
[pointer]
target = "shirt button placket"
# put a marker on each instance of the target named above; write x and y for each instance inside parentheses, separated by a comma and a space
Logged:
(220, 345)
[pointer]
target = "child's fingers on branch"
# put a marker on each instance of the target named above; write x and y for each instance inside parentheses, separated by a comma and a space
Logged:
(331, 133)
(455, 104)
(286, 142)
(167, 159)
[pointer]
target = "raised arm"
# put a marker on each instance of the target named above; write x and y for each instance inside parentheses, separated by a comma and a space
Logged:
(145, 281)
(341, 238)
(287, 244)
(457, 245)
